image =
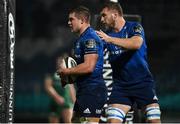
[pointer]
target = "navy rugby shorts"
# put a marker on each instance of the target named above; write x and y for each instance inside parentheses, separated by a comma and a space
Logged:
(140, 96)
(90, 101)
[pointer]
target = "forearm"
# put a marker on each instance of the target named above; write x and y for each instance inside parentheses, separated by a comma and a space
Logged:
(80, 69)
(84, 68)
(57, 97)
(53, 93)
(132, 43)
(126, 43)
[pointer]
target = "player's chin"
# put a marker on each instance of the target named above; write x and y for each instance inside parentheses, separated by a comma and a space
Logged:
(72, 30)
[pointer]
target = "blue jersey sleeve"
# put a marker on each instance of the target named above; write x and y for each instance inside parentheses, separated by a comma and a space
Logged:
(136, 30)
(91, 46)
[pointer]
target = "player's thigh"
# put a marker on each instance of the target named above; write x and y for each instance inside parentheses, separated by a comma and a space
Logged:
(116, 112)
(124, 108)
(120, 96)
(152, 105)
(120, 102)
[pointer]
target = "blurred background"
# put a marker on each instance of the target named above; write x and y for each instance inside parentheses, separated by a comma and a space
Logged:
(42, 34)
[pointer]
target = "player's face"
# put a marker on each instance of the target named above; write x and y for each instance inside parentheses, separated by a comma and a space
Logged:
(74, 23)
(107, 17)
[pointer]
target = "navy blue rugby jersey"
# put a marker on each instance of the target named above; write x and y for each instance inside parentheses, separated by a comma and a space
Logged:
(89, 43)
(129, 66)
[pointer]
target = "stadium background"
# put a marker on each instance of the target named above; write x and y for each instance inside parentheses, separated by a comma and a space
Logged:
(42, 34)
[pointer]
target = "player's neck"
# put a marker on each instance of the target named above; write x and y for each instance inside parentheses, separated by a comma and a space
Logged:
(83, 28)
(119, 24)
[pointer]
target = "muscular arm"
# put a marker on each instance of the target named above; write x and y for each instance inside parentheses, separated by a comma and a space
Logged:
(132, 43)
(84, 68)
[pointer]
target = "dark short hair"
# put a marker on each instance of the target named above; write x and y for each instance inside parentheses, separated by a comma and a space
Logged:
(113, 6)
(82, 12)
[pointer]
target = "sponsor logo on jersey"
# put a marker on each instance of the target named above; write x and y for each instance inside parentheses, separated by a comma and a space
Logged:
(138, 29)
(91, 43)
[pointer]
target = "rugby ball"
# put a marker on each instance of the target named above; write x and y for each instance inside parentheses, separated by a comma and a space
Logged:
(69, 62)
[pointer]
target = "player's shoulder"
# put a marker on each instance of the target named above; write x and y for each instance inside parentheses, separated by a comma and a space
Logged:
(134, 26)
(132, 23)
(92, 35)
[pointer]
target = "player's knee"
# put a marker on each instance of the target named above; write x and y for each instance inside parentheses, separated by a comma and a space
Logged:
(115, 113)
(153, 113)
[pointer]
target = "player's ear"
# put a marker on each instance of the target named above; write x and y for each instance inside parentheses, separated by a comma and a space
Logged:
(114, 16)
(82, 20)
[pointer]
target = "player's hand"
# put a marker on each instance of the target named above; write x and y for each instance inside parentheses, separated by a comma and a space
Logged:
(59, 66)
(103, 35)
(59, 100)
(63, 78)
(61, 70)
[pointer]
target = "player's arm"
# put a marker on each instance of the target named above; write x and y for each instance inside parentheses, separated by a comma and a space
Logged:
(132, 43)
(84, 68)
(52, 92)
